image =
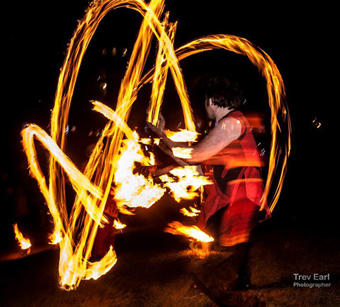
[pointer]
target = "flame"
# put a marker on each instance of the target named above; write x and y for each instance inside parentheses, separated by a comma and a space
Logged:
(55, 237)
(118, 224)
(185, 182)
(132, 190)
(192, 212)
(193, 232)
(97, 269)
(78, 229)
(147, 141)
(182, 135)
(25, 243)
(152, 159)
(182, 152)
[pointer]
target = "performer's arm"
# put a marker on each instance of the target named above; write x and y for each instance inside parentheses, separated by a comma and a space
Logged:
(171, 144)
(227, 130)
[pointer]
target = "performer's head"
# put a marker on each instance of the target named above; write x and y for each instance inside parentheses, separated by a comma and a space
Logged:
(221, 93)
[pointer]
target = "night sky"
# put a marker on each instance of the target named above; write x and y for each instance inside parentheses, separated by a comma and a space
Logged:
(301, 41)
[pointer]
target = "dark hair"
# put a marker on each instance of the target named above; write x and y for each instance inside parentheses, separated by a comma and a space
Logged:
(224, 92)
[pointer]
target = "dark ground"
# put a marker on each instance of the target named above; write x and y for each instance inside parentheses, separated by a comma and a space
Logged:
(157, 269)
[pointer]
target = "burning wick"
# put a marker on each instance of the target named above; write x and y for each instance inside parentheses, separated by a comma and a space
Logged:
(25, 244)
(193, 232)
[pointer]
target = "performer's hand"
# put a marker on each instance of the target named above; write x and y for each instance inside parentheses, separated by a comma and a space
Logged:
(166, 145)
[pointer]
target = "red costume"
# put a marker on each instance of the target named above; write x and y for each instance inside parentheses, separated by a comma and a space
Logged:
(237, 188)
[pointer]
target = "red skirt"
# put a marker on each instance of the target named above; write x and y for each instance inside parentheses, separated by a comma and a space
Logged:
(239, 216)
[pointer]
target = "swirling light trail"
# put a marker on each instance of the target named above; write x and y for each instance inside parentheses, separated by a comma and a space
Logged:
(93, 186)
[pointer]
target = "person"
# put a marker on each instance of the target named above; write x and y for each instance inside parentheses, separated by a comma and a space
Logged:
(228, 154)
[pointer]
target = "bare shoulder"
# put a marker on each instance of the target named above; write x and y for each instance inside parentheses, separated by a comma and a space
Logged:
(230, 125)
(228, 129)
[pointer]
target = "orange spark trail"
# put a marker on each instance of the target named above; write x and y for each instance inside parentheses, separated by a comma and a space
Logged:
(76, 232)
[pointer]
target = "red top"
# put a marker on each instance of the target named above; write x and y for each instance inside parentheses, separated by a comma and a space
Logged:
(235, 170)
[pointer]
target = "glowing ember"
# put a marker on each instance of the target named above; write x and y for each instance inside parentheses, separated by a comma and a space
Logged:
(193, 232)
(114, 162)
(192, 212)
(25, 244)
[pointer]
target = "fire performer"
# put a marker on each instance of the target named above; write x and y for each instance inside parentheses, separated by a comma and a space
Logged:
(229, 156)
